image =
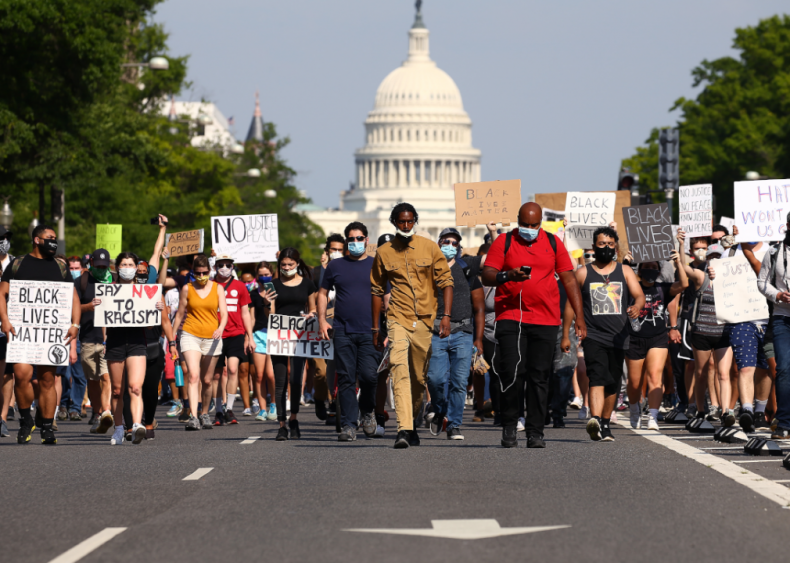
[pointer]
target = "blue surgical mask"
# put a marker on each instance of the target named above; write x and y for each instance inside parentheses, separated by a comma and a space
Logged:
(528, 234)
(264, 279)
(76, 273)
(356, 248)
(449, 251)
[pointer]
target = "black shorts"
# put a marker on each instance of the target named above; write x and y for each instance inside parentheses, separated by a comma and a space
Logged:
(232, 347)
(637, 349)
(707, 342)
(119, 351)
(604, 365)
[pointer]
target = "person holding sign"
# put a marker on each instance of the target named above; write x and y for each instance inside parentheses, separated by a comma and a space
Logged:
(38, 265)
(261, 298)
(201, 337)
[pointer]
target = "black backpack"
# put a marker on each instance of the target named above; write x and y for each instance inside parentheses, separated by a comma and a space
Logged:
(552, 241)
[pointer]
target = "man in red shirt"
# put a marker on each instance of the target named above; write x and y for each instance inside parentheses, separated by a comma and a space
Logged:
(522, 266)
(237, 340)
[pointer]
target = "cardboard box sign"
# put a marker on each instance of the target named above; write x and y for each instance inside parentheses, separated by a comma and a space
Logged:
(184, 243)
(649, 229)
(479, 203)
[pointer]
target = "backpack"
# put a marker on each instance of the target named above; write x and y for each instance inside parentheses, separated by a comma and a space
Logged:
(509, 235)
(64, 269)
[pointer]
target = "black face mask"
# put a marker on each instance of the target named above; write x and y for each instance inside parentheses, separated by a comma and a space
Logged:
(140, 279)
(649, 276)
(604, 254)
(48, 247)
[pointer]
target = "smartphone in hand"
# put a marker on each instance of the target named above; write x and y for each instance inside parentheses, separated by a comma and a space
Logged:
(527, 270)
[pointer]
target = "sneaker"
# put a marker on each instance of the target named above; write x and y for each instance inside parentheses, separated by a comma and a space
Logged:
(282, 434)
(479, 416)
(347, 434)
(302, 401)
(272, 412)
(780, 433)
(10, 413)
(558, 422)
(95, 425)
(760, 421)
(606, 434)
(520, 425)
(402, 440)
(247, 412)
(117, 437)
(692, 411)
(23, 436)
(219, 419)
(534, 441)
(622, 403)
(613, 418)
(128, 435)
(576, 403)
(369, 424)
(379, 432)
(48, 435)
(470, 399)
(62, 414)
(211, 407)
(4, 429)
(746, 420)
(454, 434)
(150, 434)
(594, 429)
(436, 423)
(320, 410)
(636, 417)
(652, 424)
(193, 424)
(714, 415)
(263, 415)
(138, 433)
(584, 413)
(74, 416)
(205, 421)
(185, 415)
(414, 438)
(293, 426)
(728, 418)
(308, 398)
(175, 410)
(497, 420)
(230, 418)
(54, 425)
(256, 406)
(509, 437)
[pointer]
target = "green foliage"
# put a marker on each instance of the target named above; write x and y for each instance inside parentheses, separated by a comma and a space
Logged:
(740, 121)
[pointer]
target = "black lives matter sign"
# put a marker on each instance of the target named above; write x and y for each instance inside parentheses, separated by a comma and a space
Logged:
(128, 304)
(40, 313)
(297, 336)
(649, 230)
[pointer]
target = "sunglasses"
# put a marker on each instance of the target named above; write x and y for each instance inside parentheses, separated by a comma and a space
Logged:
(589, 255)
(196, 273)
(449, 241)
(358, 239)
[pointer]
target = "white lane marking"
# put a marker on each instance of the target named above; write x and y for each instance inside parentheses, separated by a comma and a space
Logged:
(775, 492)
(250, 440)
(84, 548)
(782, 481)
(197, 474)
(724, 448)
(460, 529)
(775, 460)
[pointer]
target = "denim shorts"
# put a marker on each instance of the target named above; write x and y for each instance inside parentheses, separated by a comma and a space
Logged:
(747, 341)
(260, 341)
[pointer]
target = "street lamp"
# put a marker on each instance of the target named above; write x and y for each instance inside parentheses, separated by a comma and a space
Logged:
(33, 224)
(270, 193)
(237, 148)
(6, 214)
(752, 175)
(156, 63)
(253, 173)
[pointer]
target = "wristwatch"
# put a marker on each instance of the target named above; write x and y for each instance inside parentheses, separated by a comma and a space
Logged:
(674, 327)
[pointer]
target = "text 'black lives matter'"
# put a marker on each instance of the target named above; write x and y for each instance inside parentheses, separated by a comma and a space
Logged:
(649, 230)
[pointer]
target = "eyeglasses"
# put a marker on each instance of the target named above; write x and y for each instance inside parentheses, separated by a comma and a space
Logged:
(589, 255)
(450, 241)
(358, 239)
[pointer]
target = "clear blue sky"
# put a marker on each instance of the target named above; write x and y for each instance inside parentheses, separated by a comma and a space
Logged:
(559, 92)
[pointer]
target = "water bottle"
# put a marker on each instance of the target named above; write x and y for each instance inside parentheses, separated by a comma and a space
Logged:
(179, 376)
(635, 325)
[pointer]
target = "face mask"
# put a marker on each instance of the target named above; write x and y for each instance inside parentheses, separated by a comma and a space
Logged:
(405, 234)
(449, 251)
(225, 272)
(75, 274)
(604, 254)
(264, 279)
(201, 280)
(141, 278)
(588, 258)
(335, 255)
(700, 254)
(48, 247)
(5, 246)
(127, 274)
(102, 275)
(288, 273)
(356, 248)
(649, 276)
(251, 285)
(528, 234)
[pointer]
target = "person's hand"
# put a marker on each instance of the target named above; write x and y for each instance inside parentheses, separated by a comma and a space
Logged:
(159, 306)
(73, 355)
(324, 259)
(165, 253)
(71, 334)
(479, 345)
(95, 303)
(711, 273)
(162, 221)
(675, 257)
(565, 344)
(613, 225)
(444, 327)
(633, 312)
(310, 315)
(581, 329)
(249, 344)
(628, 258)
(324, 327)
(491, 227)
(681, 236)
(378, 341)
(268, 296)
(564, 223)
(735, 230)
(674, 336)
(781, 297)
(213, 253)
(516, 275)
(217, 334)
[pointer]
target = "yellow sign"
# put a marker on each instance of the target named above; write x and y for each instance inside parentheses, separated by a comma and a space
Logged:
(108, 237)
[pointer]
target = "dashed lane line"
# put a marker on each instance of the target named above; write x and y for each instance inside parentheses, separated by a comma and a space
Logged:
(198, 474)
(250, 440)
(84, 548)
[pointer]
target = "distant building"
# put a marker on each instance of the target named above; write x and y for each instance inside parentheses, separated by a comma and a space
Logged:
(209, 127)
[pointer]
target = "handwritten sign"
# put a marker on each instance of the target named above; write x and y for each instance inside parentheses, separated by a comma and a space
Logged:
(247, 238)
(40, 313)
(727, 222)
(109, 237)
(761, 209)
(585, 212)
(696, 209)
(735, 289)
(128, 304)
(297, 336)
(649, 229)
(479, 203)
(184, 243)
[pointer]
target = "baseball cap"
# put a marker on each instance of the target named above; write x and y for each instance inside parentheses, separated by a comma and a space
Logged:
(5, 232)
(450, 231)
(384, 239)
(223, 256)
(101, 258)
(715, 249)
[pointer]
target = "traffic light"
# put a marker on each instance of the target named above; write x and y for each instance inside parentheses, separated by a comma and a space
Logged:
(56, 202)
(668, 159)
(628, 181)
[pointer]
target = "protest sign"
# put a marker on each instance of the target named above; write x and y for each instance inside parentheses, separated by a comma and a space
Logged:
(297, 336)
(649, 229)
(128, 304)
(479, 203)
(247, 238)
(554, 227)
(184, 243)
(585, 212)
(761, 209)
(40, 312)
(727, 222)
(551, 215)
(735, 289)
(696, 209)
(109, 238)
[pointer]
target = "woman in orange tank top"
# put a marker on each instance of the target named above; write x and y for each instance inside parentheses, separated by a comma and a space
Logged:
(201, 337)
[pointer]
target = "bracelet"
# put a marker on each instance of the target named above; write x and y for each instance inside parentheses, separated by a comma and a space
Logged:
(75, 326)
(674, 327)
(446, 315)
(374, 329)
(172, 343)
(501, 278)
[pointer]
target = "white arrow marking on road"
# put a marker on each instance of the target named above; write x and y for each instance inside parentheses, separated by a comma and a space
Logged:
(84, 548)
(461, 529)
(198, 474)
(250, 440)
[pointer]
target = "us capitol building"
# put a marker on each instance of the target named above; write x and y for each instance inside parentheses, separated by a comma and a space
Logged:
(418, 143)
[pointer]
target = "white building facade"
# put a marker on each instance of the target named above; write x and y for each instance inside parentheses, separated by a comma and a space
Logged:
(418, 143)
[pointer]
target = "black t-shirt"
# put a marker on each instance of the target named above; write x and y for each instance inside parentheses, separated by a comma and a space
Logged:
(261, 311)
(462, 299)
(292, 301)
(653, 316)
(88, 332)
(36, 269)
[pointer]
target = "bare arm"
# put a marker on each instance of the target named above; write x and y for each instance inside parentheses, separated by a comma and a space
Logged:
(160, 240)
(636, 292)
(6, 324)
(323, 299)
(573, 291)
(223, 313)
(567, 319)
(479, 311)
(683, 281)
(672, 312)
(378, 335)
(182, 307)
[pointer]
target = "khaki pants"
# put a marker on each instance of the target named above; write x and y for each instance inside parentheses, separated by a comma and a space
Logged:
(323, 378)
(410, 351)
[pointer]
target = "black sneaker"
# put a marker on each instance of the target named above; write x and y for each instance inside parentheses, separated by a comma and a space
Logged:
(414, 438)
(780, 433)
(402, 440)
(497, 420)
(509, 438)
(282, 434)
(347, 434)
(48, 435)
(454, 434)
(320, 410)
(92, 421)
(760, 421)
(534, 441)
(594, 429)
(10, 413)
(436, 424)
(230, 418)
(293, 426)
(728, 418)
(185, 415)
(606, 434)
(746, 420)
(219, 419)
(23, 436)
(558, 422)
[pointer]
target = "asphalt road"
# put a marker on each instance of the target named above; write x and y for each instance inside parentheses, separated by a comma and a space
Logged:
(292, 501)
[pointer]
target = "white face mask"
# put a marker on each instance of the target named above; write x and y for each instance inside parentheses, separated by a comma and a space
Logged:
(5, 246)
(225, 272)
(127, 273)
(335, 255)
(288, 273)
(405, 234)
(700, 254)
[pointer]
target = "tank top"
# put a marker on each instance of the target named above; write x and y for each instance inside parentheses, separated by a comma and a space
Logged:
(202, 318)
(605, 307)
(706, 315)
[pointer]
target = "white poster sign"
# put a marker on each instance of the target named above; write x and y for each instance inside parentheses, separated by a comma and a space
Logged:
(128, 304)
(735, 288)
(727, 222)
(247, 238)
(585, 212)
(40, 312)
(696, 209)
(297, 336)
(761, 209)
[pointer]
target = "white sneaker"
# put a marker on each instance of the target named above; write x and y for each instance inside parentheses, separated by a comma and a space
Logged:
(117, 437)
(576, 403)
(652, 424)
(246, 412)
(288, 405)
(138, 433)
(613, 418)
(636, 416)
(302, 401)
(520, 425)
(379, 431)
(584, 413)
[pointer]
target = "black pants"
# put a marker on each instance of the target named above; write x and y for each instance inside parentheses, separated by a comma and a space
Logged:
(493, 383)
(524, 355)
(356, 361)
(150, 391)
(280, 364)
(679, 373)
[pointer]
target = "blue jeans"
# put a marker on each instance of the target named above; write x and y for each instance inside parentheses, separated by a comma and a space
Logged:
(560, 385)
(74, 384)
(356, 360)
(451, 358)
(781, 329)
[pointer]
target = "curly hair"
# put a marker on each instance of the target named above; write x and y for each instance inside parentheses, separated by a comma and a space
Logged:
(402, 208)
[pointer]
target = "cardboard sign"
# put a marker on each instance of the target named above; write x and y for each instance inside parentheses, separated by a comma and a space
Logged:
(585, 212)
(649, 229)
(727, 222)
(479, 203)
(761, 209)
(247, 238)
(40, 313)
(696, 209)
(297, 336)
(735, 289)
(184, 243)
(109, 237)
(129, 304)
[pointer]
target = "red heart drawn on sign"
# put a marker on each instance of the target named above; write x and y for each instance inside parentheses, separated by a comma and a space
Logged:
(150, 291)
